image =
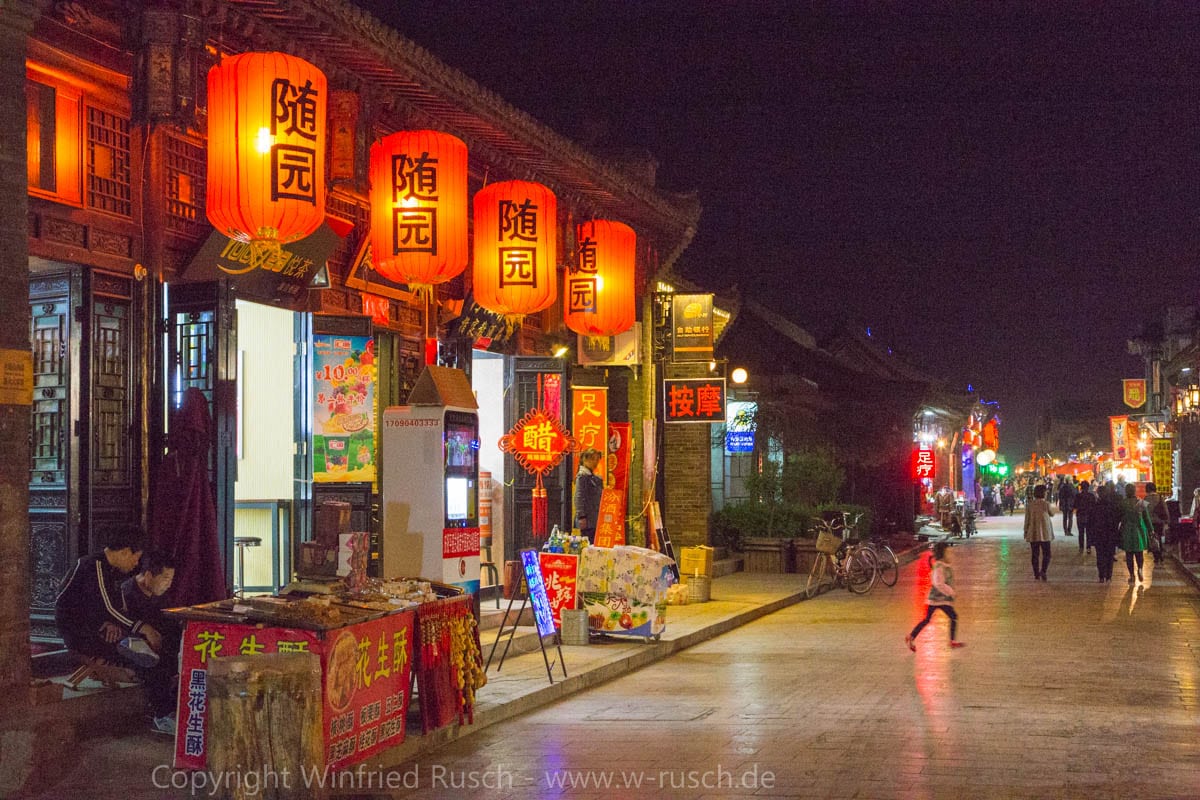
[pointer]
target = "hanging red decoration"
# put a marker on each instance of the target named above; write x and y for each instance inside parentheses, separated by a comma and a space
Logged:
(419, 207)
(516, 245)
(266, 150)
(538, 443)
(599, 299)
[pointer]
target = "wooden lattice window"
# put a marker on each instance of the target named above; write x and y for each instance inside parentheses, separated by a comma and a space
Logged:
(109, 179)
(185, 184)
(51, 375)
(110, 399)
(196, 337)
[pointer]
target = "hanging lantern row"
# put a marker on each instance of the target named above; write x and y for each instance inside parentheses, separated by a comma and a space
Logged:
(266, 151)
(419, 208)
(266, 186)
(599, 298)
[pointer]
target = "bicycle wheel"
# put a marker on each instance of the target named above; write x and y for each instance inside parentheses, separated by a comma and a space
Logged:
(816, 576)
(861, 571)
(889, 565)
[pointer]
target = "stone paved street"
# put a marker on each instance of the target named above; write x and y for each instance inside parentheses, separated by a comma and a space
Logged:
(1066, 689)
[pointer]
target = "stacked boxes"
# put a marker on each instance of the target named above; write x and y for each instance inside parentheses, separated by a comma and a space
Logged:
(319, 558)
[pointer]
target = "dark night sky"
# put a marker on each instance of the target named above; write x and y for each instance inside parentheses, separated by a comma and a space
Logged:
(1002, 192)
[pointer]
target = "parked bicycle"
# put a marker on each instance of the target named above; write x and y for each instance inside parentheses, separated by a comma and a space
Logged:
(841, 563)
(887, 564)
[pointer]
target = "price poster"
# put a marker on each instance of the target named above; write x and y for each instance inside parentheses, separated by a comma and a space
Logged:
(560, 573)
(343, 409)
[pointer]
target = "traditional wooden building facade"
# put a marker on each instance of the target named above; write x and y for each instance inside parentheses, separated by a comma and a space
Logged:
(127, 308)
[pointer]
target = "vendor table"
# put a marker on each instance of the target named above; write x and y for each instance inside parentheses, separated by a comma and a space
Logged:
(366, 669)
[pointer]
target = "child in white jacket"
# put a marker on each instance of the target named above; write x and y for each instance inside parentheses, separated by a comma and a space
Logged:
(941, 595)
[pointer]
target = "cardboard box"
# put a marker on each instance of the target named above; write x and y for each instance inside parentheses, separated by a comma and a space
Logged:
(696, 561)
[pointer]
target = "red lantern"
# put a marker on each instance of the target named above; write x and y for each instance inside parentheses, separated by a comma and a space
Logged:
(266, 150)
(599, 297)
(419, 207)
(516, 244)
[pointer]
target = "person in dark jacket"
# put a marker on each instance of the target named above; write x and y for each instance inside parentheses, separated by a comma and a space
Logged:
(1085, 503)
(1104, 526)
(1066, 503)
(142, 596)
(588, 487)
(89, 611)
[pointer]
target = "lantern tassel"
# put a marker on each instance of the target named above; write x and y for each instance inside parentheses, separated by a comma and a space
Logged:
(540, 510)
(511, 322)
(599, 343)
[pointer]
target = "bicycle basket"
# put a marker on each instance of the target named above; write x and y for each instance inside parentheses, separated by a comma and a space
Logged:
(828, 542)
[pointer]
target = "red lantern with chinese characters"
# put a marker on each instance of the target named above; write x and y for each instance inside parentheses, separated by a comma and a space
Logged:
(266, 150)
(599, 298)
(419, 207)
(516, 244)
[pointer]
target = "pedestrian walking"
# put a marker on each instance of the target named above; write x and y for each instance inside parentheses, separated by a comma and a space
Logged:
(1195, 509)
(941, 596)
(1135, 530)
(1039, 531)
(1085, 504)
(1066, 503)
(1104, 531)
(1156, 505)
(1010, 498)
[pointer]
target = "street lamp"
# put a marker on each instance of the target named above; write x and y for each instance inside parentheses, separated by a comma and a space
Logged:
(739, 375)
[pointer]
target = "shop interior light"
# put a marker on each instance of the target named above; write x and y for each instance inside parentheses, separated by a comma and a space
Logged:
(561, 351)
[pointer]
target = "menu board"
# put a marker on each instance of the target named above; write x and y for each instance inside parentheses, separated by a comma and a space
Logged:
(343, 409)
(537, 593)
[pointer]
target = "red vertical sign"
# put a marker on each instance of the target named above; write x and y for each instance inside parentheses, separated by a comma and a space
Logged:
(589, 422)
(922, 464)
(560, 572)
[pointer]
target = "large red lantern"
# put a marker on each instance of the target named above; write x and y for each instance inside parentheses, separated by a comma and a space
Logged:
(599, 298)
(419, 207)
(266, 150)
(516, 243)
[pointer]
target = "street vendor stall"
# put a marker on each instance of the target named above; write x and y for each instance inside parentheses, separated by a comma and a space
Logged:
(365, 642)
(624, 590)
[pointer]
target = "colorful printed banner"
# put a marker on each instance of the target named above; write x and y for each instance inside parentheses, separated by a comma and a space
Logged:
(560, 575)
(1162, 455)
(1134, 392)
(1121, 445)
(365, 671)
(343, 409)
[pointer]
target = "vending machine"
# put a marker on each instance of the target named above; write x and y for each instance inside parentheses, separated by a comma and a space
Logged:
(429, 482)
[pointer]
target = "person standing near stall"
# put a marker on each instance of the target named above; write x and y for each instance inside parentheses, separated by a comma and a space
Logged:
(588, 488)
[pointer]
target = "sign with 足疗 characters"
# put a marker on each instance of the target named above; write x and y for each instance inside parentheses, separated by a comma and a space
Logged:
(365, 679)
(589, 423)
(560, 572)
(922, 463)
